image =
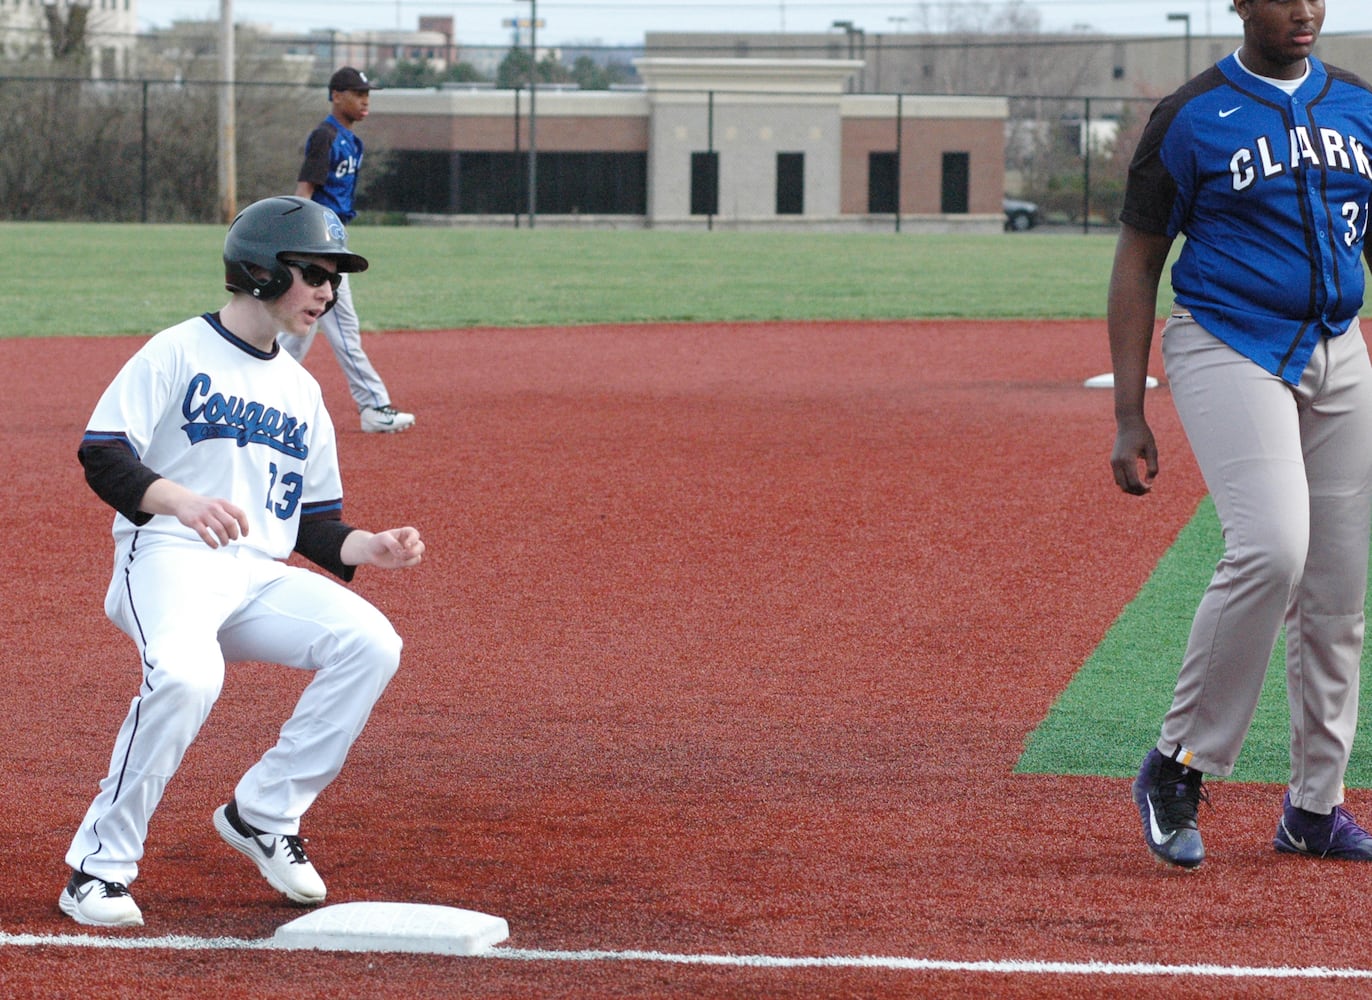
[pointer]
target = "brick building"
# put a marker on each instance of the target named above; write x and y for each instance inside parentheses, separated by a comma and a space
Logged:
(729, 143)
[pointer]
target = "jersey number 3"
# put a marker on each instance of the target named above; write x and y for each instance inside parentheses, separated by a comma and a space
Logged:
(1351, 213)
(291, 484)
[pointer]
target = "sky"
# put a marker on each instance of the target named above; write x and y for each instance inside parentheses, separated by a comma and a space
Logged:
(620, 22)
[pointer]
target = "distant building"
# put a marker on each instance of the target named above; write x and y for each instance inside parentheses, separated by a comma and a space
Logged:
(1076, 64)
(433, 45)
(728, 143)
(29, 29)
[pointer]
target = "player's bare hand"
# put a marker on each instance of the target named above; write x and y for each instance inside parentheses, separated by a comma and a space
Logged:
(215, 521)
(1134, 449)
(396, 548)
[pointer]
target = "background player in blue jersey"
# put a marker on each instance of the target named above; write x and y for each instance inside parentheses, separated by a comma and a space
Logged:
(216, 452)
(1262, 163)
(333, 158)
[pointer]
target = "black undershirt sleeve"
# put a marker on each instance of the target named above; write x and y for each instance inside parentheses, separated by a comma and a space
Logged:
(315, 168)
(117, 476)
(320, 540)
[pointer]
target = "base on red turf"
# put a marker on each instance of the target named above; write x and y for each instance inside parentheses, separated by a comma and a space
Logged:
(1107, 381)
(408, 927)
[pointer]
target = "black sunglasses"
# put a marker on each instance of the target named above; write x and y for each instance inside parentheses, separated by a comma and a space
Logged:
(314, 275)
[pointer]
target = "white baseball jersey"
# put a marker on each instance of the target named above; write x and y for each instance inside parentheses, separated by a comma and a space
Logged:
(224, 419)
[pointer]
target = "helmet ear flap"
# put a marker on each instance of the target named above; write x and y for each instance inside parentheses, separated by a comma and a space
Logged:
(239, 277)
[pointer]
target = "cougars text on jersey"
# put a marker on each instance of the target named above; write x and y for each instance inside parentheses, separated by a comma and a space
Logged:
(212, 415)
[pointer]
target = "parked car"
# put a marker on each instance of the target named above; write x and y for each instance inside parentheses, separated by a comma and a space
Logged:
(1019, 215)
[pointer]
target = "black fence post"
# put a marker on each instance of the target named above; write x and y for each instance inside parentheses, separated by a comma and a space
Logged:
(143, 158)
(710, 146)
(1086, 169)
(900, 132)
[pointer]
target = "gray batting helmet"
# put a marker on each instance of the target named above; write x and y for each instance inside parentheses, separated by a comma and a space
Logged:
(287, 224)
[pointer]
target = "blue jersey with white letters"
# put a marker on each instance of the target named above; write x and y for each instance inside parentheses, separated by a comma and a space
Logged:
(333, 157)
(1271, 192)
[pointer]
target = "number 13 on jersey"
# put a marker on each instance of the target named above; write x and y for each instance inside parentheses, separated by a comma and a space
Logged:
(291, 484)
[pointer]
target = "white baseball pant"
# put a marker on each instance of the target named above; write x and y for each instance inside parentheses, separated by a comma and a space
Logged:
(189, 609)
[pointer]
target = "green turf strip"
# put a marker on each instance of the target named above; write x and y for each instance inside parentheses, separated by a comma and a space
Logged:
(1110, 714)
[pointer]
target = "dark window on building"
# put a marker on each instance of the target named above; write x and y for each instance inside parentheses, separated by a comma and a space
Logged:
(790, 183)
(883, 182)
(415, 182)
(957, 175)
(705, 183)
(496, 183)
(593, 183)
(491, 183)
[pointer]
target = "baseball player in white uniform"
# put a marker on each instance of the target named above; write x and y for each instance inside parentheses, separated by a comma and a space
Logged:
(214, 448)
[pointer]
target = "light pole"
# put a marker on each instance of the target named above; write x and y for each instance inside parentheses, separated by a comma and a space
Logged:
(1187, 19)
(228, 122)
(533, 111)
(852, 31)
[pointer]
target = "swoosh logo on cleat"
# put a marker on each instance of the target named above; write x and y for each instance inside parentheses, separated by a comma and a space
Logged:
(1297, 842)
(84, 890)
(1159, 837)
(268, 850)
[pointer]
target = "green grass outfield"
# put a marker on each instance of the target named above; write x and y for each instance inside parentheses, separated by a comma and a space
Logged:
(73, 278)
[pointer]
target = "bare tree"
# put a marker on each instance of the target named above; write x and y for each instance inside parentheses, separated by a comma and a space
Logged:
(67, 35)
(984, 48)
(120, 150)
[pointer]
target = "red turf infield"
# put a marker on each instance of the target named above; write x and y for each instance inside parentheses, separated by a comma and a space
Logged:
(727, 643)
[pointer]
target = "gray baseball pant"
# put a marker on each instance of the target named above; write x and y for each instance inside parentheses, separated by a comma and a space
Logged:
(1290, 471)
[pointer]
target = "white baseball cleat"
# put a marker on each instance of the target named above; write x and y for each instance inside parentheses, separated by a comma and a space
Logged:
(279, 857)
(385, 420)
(97, 903)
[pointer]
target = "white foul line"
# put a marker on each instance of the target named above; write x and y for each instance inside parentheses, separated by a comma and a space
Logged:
(177, 942)
(1010, 967)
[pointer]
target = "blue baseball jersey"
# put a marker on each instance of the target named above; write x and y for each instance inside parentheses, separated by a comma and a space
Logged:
(333, 157)
(1271, 192)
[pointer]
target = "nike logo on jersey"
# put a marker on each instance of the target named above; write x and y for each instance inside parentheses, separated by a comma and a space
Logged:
(1321, 149)
(211, 416)
(1226, 114)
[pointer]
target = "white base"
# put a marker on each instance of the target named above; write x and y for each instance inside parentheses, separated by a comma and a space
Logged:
(409, 927)
(1107, 381)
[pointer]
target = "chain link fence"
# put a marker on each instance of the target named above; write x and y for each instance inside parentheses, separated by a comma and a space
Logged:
(147, 150)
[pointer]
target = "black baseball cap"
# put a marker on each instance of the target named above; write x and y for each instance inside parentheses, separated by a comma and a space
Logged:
(348, 78)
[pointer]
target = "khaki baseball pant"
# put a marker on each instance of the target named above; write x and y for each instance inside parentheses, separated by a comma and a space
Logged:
(1290, 471)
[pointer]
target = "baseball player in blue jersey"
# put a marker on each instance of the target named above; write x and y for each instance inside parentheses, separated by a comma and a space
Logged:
(333, 157)
(214, 448)
(1264, 164)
